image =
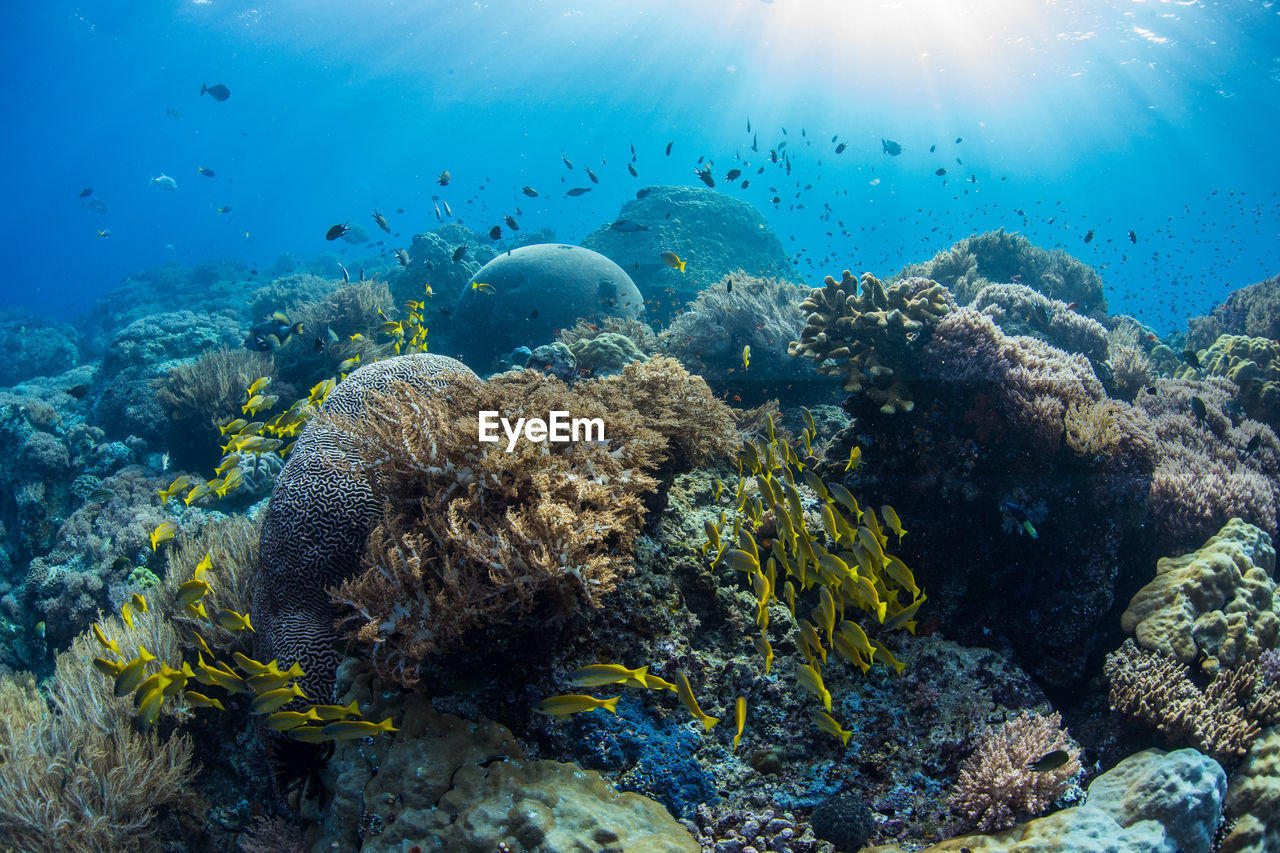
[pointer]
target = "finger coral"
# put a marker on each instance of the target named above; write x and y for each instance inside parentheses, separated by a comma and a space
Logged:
(873, 338)
(997, 785)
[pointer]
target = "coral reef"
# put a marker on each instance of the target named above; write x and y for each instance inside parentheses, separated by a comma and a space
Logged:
(1253, 799)
(315, 525)
(1151, 802)
(448, 784)
(1216, 605)
(1020, 310)
(154, 339)
(606, 353)
(34, 346)
(997, 257)
(533, 292)
(201, 395)
(431, 264)
(1253, 310)
(1253, 364)
(997, 785)
(482, 534)
(1222, 719)
(712, 232)
(738, 830)
(874, 338)
(738, 311)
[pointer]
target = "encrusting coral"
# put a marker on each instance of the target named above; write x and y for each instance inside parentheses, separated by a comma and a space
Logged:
(998, 783)
(475, 533)
(873, 338)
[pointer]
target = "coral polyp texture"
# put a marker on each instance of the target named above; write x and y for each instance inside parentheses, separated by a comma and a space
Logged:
(1216, 605)
(872, 337)
(321, 511)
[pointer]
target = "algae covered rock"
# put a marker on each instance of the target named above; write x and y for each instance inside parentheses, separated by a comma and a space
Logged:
(533, 292)
(713, 233)
(448, 785)
(1219, 601)
(1151, 802)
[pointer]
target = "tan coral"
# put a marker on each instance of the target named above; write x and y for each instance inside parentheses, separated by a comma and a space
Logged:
(868, 338)
(1253, 799)
(1219, 601)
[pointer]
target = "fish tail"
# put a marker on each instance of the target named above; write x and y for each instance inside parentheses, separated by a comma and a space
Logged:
(682, 263)
(203, 88)
(611, 704)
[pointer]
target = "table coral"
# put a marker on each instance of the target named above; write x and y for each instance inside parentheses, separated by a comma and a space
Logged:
(1217, 602)
(873, 338)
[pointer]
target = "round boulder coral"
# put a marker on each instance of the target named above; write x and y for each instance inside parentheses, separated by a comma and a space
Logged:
(534, 291)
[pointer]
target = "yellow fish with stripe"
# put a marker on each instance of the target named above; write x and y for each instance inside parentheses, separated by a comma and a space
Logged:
(828, 724)
(690, 702)
(740, 718)
(353, 729)
(598, 675)
(166, 531)
(810, 679)
(571, 703)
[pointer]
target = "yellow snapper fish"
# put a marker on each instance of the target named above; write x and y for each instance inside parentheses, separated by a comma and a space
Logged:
(257, 385)
(250, 666)
(132, 674)
(811, 680)
(746, 362)
(654, 682)
(274, 700)
(855, 456)
(482, 286)
(828, 724)
(891, 519)
(233, 427)
(176, 486)
(308, 734)
(198, 700)
(105, 641)
(563, 706)
(740, 717)
(690, 702)
(598, 675)
(353, 729)
(233, 621)
(330, 713)
(283, 721)
(163, 533)
(765, 650)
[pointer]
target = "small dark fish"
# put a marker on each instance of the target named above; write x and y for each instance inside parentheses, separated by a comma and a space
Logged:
(729, 287)
(399, 210)
(632, 170)
(533, 315)
(745, 183)
(566, 161)
(97, 205)
(346, 277)
(336, 231)
(642, 193)
(973, 179)
(591, 174)
(1041, 316)
(459, 253)
(382, 221)
(530, 192)
(1024, 521)
(1089, 236)
(1152, 390)
(755, 142)
(1133, 238)
(1200, 410)
(217, 91)
(511, 222)
(705, 174)
(444, 178)
(669, 144)
(1052, 760)
(317, 346)
(208, 173)
(940, 172)
(733, 175)
(840, 148)
(890, 147)
(1191, 357)
(959, 139)
(626, 226)
(577, 191)
(1254, 443)
(494, 233)
(402, 256)
(272, 333)
(78, 391)
(101, 495)
(86, 192)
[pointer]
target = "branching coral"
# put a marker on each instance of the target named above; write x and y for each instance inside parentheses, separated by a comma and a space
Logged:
(78, 776)
(1222, 719)
(997, 784)
(476, 534)
(231, 543)
(872, 339)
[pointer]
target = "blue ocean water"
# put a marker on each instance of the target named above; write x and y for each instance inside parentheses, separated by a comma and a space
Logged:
(1155, 117)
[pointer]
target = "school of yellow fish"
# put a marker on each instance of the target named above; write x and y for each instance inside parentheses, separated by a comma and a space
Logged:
(270, 687)
(843, 555)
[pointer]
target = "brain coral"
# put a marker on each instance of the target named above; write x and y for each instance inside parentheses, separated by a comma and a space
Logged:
(712, 232)
(316, 522)
(534, 291)
(1219, 601)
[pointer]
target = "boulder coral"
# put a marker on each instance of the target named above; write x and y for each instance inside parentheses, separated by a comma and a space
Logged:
(1253, 364)
(1253, 310)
